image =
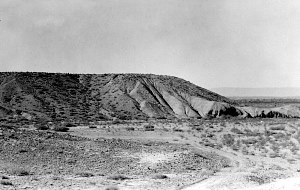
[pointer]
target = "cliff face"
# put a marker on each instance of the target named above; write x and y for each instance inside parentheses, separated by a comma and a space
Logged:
(125, 96)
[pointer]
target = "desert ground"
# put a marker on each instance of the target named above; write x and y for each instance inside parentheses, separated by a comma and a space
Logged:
(154, 154)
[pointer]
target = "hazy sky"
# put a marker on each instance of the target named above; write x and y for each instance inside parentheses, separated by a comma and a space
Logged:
(212, 43)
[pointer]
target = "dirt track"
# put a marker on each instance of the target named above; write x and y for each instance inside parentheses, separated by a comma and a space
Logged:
(55, 160)
(245, 172)
(33, 159)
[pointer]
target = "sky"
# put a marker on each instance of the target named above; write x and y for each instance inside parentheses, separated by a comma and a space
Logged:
(212, 43)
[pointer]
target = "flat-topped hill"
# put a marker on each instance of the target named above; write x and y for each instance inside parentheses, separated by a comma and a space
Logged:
(57, 96)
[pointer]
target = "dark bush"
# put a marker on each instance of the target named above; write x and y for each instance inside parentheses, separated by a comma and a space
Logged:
(130, 128)
(6, 182)
(4, 177)
(84, 174)
(149, 128)
(228, 139)
(20, 172)
(42, 127)
(70, 125)
(116, 121)
(60, 128)
(275, 128)
(160, 176)
(178, 130)
(118, 177)
(112, 188)
(237, 131)
(249, 141)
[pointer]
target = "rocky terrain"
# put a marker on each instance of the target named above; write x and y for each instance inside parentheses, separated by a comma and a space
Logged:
(90, 97)
(172, 154)
(32, 159)
(138, 131)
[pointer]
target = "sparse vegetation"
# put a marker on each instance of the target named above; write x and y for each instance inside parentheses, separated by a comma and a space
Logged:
(279, 127)
(149, 128)
(112, 188)
(60, 128)
(130, 128)
(160, 176)
(177, 130)
(42, 127)
(166, 148)
(4, 177)
(118, 177)
(228, 139)
(20, 172)
(84, 174)
(237, 131)
(6, 183)
(70, 125)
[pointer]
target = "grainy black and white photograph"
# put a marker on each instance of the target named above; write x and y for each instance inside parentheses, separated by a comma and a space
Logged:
(149, 95)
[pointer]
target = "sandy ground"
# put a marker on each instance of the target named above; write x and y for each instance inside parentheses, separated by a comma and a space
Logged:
(244, 171)
(59, 161)
(250, 172)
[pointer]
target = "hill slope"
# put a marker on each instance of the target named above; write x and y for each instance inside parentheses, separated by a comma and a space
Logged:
(106, 96)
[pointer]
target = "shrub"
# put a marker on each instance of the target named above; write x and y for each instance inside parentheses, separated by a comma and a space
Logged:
(60, 128)
(130, 128)
(42, 127)
(20, 172)
(235, 148)
(275, 128)
(279, 135)
(258, 179)
(160, 176)
(165, 129)
(190, 168)
(117, 121)
(84, 174)
(112, 188)
(228, 139)
(209, 144)
(22, 150)
(178, 130)
(149, 128)
(148, 144)
(118, 177)
(6, 182)
(57, 178)
(273, 155)
(70, 125)
(236, 130)
(249, 141)
(4, 177)
(291, 160)
(251, 133)
(245, 151)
